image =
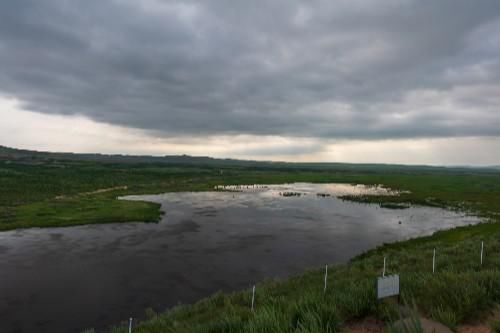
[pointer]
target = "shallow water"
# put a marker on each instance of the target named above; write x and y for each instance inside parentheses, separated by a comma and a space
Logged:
(68, 279)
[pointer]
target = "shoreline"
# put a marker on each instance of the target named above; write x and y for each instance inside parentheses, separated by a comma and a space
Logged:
(361, 271)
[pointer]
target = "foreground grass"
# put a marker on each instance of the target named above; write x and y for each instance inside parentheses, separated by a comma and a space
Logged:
(461, 290)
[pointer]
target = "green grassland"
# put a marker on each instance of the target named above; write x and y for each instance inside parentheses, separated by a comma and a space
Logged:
(48, 193)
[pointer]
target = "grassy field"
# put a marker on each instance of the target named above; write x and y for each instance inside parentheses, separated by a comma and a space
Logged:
(50, 192)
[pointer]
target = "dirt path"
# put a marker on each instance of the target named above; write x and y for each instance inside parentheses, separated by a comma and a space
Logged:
(367, 325)
(102, 190)
(474, 328)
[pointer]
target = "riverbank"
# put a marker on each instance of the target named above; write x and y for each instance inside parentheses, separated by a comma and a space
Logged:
(462, 290)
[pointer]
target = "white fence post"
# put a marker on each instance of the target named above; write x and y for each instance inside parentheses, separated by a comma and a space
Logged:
(326, 277)
(434, 261)
(383, 272)
(482, 250)
(253, 296)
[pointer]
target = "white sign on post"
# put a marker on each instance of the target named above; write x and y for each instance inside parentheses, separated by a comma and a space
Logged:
(388, 286)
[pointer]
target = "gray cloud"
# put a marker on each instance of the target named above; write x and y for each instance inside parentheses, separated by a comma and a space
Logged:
(333, 69)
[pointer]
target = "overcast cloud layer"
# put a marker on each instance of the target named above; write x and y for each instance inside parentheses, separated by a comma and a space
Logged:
(326, 69)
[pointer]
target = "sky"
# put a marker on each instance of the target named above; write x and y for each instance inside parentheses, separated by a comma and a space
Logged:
(393, 81)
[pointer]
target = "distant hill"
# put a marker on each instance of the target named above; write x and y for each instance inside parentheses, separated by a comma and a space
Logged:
(36, 157)
(33, 156)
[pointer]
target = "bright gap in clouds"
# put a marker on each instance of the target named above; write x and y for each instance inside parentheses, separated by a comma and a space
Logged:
(36, 131)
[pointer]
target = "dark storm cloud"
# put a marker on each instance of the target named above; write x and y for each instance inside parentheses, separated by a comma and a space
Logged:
(333, 69)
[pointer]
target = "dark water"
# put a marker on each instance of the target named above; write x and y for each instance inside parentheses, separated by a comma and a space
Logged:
(68, 279)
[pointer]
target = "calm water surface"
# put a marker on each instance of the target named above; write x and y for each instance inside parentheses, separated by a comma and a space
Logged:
(67, 279)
